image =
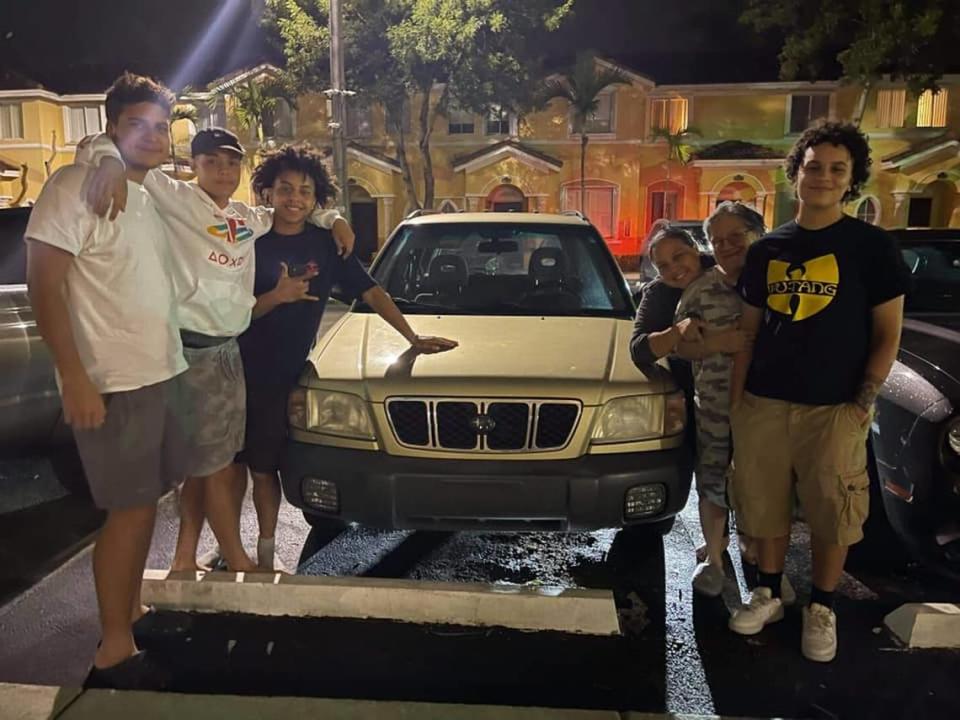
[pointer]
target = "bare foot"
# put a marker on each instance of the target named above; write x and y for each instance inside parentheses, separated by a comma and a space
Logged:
(188, 566)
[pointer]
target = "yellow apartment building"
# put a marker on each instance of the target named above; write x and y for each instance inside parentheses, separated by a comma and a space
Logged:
(504, 162)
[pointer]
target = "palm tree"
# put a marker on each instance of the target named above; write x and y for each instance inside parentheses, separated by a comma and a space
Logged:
(252, 102)
(180, 112)
(581, 88)
(678, 148)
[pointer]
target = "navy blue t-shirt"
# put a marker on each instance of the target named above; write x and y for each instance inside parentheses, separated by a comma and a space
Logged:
(276, 345)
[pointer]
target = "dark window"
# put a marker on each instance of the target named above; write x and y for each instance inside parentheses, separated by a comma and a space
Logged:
(805, 109)
(921, 211)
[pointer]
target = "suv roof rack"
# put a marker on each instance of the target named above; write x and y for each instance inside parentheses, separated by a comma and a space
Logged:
(574, 213)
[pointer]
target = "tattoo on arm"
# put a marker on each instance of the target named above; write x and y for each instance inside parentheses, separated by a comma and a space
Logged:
(867, 394)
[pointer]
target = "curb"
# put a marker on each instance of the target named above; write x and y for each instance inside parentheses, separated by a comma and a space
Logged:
(590, 612)
(926, 625)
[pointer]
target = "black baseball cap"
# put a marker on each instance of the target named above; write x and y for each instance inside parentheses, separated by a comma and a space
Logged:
(212, 140)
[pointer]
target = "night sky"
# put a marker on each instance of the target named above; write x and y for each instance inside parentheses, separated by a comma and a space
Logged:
(72, 46)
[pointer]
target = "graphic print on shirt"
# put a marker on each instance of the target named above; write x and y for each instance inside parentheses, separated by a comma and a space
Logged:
(232, 230)
(802, 289)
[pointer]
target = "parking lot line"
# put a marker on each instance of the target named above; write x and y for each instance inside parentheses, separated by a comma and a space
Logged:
(521, 607)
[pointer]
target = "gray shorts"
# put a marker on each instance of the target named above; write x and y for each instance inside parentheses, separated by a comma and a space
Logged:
(139, 453)
(218, 406)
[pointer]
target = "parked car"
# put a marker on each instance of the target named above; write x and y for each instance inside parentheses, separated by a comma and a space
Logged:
(695, 227)
(916, 433)
(30, 421)
(537, 421)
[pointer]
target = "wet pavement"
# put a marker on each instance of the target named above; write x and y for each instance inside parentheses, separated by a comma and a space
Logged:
(675, 653)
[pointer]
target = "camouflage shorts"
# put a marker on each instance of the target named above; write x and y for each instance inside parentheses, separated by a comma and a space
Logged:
(218, 402)
(713, 451)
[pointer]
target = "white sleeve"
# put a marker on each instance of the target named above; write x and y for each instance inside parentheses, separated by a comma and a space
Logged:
(60, 216)
(94, 148)
(259, 218)
(171, 195)
(324, 218)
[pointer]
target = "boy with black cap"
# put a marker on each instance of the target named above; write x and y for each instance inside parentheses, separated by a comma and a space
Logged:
(211, 243)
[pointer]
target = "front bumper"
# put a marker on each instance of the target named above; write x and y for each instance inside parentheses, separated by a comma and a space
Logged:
(585, 493)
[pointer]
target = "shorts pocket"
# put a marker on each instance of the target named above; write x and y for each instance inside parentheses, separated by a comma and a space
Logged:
(855, 494)
(847, 413)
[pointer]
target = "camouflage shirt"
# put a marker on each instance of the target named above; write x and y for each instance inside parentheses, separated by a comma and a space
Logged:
(718, 306)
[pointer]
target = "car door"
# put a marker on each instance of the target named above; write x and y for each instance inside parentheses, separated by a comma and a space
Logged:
(29, 402)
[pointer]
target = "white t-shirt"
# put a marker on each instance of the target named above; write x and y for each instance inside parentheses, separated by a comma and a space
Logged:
(212, 248)
(118, 290)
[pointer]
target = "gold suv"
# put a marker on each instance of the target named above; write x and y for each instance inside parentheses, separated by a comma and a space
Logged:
(537, 421)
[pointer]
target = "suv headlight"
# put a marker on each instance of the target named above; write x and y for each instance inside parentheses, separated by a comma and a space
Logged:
(953, 436)
(640, 417)
(331, 413)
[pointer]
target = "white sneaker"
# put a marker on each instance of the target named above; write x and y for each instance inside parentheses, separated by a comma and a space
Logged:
(708, 579)
(762, 610)
(787, 594)
(819, 641)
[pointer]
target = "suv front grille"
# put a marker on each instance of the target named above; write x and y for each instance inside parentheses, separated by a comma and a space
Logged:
(484, 426)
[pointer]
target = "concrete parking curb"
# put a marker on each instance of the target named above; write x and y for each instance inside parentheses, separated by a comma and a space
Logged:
(590, 612)
(926, 625)
(31, 702)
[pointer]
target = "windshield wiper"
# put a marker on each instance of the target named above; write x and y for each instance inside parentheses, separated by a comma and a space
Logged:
(414, 306)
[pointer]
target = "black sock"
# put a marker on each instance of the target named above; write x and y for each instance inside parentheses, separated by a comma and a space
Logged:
(821, 597)
(770, 580)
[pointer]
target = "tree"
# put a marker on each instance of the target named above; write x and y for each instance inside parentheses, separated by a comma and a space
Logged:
(252, 101)
(679, 149)
(581, 88)
(478, 53)
(912, 40)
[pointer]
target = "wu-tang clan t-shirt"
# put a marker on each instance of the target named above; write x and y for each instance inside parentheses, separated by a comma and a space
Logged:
(817, 289)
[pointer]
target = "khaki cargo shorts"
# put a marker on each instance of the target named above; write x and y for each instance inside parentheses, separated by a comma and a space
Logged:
(821, 448)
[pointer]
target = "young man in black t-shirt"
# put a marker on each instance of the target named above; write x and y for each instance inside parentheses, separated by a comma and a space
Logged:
(296, 266)
(824, 295)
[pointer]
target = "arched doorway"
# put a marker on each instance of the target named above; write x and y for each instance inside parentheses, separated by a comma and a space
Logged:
(363, 217)
(738, 191)
(506, 198)
(934, 206)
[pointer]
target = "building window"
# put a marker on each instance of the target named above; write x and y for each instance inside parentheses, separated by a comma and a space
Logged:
(460, 122)
(869, 210)
(278, 120)
(498, 122)
(890, 108)
(669, 113)
(11, 121)
(359, 122)
(932, 109)
(600, 121)
(404, 119)
(601, 204)
(212, 114)
(664, 201)
(807, 109)
(83, 120)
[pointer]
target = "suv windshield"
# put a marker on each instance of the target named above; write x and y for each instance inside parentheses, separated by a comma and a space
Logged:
(935, 274)
(502, 269)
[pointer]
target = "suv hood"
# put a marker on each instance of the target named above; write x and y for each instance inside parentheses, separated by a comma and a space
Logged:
(563, 357)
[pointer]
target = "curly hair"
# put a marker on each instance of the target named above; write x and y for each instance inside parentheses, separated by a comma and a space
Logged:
(131, 89)
(301, 158)
(840, 135)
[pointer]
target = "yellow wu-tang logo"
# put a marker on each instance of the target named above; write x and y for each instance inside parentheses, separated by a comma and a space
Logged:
(802, 289)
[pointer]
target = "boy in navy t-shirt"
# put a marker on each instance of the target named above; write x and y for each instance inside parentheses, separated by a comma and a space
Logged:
(296, 266)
